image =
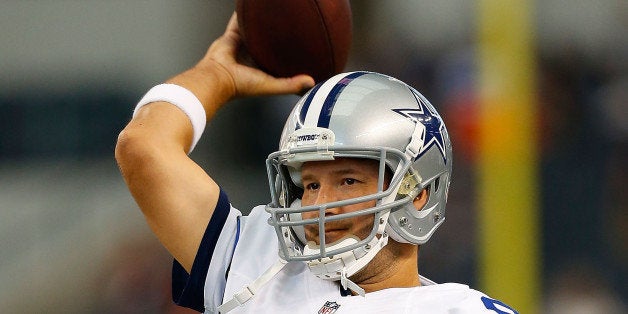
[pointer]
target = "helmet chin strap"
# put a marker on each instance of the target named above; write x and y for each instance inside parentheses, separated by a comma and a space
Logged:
(248, 292)
(348, 284)
(351, 270)
(344, 265)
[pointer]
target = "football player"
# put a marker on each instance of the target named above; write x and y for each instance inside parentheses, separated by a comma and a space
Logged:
(358, 183)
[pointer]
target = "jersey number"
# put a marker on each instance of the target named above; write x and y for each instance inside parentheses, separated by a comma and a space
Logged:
(492, 304)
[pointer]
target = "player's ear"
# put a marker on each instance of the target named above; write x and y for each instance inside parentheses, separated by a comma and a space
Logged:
(421, 199)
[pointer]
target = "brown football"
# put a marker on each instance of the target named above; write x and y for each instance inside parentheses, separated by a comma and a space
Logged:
(289, 37)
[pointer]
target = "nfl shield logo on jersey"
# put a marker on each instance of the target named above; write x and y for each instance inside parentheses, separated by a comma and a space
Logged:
(329, 308)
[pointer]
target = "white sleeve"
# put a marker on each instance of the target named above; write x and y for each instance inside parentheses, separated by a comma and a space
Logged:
(212, 260)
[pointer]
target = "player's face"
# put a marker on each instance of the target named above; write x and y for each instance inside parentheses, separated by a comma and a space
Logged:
(335, 180)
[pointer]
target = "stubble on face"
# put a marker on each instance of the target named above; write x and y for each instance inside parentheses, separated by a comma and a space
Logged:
(395, 262)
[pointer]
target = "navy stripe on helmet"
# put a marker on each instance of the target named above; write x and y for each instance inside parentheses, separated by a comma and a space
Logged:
(330, 101)
(306, 106)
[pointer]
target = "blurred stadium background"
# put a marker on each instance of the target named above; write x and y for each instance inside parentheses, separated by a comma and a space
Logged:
(73, 241)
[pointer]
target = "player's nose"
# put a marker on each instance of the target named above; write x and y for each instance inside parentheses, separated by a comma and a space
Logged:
(327, 195)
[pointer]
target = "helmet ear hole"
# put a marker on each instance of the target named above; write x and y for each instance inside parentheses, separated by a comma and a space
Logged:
(436, 184)
(422, 198)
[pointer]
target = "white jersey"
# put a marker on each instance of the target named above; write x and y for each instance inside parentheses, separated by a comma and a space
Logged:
(237, 249)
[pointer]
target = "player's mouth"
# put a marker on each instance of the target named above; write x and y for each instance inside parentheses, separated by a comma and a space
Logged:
(331, 235)
(334, 235)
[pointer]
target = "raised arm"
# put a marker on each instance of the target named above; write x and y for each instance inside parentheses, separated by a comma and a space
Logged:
(176, 196)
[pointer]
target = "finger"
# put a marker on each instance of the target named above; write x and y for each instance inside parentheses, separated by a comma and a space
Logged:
(232, 33)
(290, 85)
(226, 47)
(232, 25)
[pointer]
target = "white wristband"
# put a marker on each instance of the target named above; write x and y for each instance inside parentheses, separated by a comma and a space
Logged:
(184, 100)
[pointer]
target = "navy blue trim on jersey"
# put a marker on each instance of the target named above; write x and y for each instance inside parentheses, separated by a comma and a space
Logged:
(235, 243)
(237, 236)
(490, 305)
(188, 289)
(330, 101)
(306, 106)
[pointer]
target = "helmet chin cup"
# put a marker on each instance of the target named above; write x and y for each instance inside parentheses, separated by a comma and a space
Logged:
(349, 262)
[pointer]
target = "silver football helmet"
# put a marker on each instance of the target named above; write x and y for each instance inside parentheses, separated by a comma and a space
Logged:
(360, 115)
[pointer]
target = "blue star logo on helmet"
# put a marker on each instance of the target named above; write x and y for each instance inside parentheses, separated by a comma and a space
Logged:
(434, 125)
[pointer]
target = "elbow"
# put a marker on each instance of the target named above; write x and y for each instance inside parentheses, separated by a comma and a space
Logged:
(123, 147)
(130, 151)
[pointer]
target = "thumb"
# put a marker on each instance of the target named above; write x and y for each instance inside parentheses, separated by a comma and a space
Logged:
(301, 83)
(297, 84)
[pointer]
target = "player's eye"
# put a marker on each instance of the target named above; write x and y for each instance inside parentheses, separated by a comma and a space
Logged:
(349, 181)
(312, 186)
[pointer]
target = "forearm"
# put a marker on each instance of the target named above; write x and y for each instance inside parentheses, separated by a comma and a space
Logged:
(176, 196)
